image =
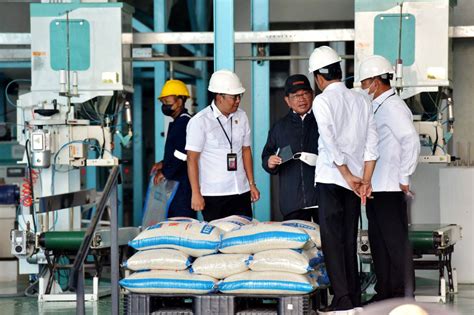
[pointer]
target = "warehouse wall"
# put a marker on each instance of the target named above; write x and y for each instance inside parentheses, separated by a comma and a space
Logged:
(311, 10)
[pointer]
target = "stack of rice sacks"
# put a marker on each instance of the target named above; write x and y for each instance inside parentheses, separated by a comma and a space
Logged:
(165, 253)
(284, 258)
(313, 250)
(181, 256)
(223, 265)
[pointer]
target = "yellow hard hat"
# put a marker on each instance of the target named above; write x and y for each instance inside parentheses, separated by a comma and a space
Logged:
(174, 87)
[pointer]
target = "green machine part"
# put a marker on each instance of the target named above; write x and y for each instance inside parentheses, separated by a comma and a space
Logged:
(61, 240)
(421, 240)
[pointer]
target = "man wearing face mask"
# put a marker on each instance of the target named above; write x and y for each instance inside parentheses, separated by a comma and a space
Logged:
(399, 147)
(297, 129)
(173, 97)
(347, 149)
(219, 155)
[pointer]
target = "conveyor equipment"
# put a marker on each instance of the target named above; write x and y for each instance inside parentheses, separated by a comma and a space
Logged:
(427, 239)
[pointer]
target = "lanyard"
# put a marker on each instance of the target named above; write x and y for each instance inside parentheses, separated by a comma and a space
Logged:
(383, 102)
(225, 133)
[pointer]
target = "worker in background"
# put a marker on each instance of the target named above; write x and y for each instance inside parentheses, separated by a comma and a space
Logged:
(219, 155)
(347, 149)
(399, 148)
(173, 98)
(298, 129)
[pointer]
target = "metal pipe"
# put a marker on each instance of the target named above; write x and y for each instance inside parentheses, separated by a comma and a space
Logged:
(285, 36)
(114, 252)
(249, 58)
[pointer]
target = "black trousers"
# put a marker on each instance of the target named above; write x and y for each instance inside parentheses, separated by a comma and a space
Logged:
(217, 207)
(339, 212)
(310, 214)
(389, 245)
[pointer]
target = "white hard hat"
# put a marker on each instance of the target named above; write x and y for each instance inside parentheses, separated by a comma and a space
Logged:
(321, 57)
(374, 66)
(225, 82)
(411, 309)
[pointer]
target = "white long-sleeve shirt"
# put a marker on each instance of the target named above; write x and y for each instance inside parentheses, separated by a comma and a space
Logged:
(347, 133)
(399, 143)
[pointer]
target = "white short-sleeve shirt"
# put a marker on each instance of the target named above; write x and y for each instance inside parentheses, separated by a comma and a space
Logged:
(205, 135)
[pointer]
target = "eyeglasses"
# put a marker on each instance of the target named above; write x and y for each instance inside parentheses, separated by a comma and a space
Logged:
(295, 97)
(234, 97)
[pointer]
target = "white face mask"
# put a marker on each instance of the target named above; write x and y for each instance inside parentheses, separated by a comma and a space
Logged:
(367, 91)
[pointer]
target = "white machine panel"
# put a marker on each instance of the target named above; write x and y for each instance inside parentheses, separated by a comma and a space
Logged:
(425, 40)
(457, 206)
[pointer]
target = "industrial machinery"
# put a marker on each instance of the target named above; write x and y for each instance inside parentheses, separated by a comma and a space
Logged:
(426, 240)
(58, 249)
(419, 48)
(81, 72)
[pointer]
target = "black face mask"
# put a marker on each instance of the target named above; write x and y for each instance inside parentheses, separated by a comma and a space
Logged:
(166, 110)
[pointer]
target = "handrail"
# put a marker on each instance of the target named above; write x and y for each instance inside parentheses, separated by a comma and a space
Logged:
(76, 280)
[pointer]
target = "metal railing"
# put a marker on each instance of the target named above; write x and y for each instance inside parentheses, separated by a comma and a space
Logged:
(76, 280)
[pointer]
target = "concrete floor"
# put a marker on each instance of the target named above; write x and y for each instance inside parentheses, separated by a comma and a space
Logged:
(463, 302)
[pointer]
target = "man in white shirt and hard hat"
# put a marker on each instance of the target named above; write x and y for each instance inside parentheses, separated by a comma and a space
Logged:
(399, 148)
(219, 155)
(347, 149)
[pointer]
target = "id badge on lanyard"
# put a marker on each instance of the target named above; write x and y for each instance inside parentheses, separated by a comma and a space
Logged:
(231, 157)
(232, 162)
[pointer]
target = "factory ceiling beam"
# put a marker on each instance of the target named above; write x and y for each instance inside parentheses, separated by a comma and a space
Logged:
(244, 37)
(288, 36)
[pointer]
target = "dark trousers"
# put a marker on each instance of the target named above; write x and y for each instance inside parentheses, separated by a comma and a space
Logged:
(310, 214)
(217, 207)
(389, 245)
(181, 206)
(339, 212)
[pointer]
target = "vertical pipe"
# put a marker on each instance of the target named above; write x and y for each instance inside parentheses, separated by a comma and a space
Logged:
(118, 153)
(137, 150)
(91, 178)
(201, 10)
(260, 110)
(3, 107)
(114, 255)
(223, 34)
(159, 25)
(80, 292)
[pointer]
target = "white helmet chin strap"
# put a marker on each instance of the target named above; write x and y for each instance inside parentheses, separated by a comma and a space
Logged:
(306, 157)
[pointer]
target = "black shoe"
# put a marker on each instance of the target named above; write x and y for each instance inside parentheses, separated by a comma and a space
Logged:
(343, 303)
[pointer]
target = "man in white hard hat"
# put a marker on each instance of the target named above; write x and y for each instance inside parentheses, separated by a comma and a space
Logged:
(347, 148)
(219, 155)
(399, 148)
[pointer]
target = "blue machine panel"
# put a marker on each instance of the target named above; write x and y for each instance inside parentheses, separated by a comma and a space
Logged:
(79, 44)
(386, 37)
